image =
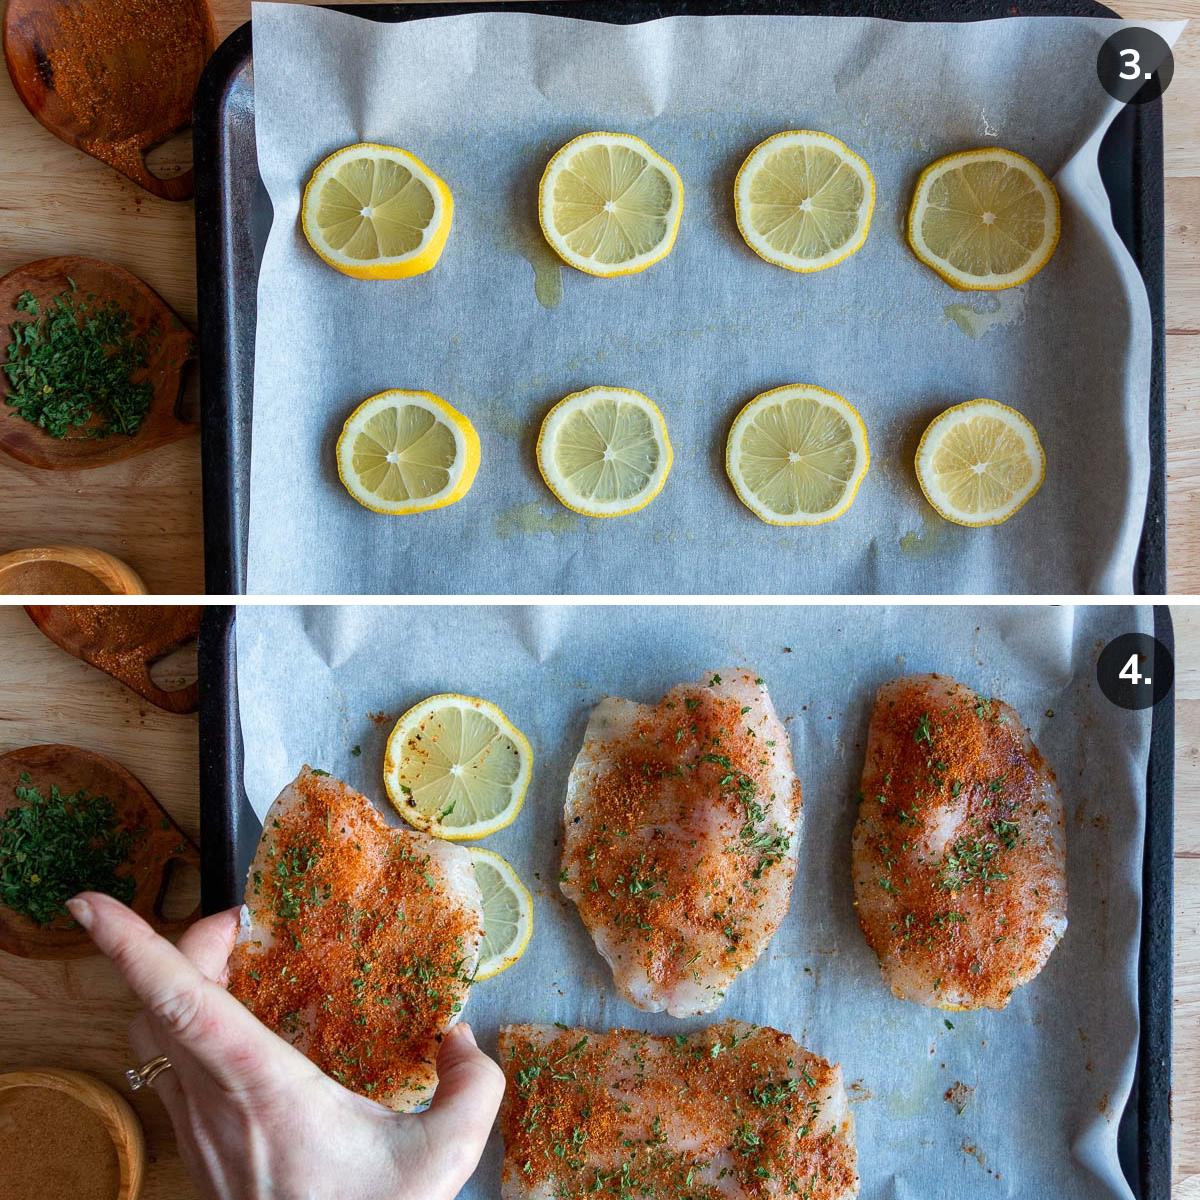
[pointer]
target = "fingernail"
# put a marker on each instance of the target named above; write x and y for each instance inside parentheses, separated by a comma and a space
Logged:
(82, 911)
(466, 1032)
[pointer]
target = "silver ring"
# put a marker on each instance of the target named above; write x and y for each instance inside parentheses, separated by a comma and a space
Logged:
(147, 1073)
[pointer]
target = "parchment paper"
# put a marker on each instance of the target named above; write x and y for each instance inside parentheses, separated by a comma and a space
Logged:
(1051, 1073)
(502, 332)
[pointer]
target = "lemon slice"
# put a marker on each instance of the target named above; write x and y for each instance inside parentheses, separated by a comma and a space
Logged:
(797, 454)
(984, 219)
(376, 212)
(609, 205)
(457, 767)
(507, 913)
(979, 462)
(803, 200)
(407, 452)
(604, 452)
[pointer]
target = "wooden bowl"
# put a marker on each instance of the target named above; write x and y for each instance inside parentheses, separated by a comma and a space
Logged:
(114, 97)
(113, 1111)
(154, 855)
(66, 571)
(171, 350)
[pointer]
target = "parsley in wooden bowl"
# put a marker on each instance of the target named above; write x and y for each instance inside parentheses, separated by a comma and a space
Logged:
(71, 821)
(92, 367)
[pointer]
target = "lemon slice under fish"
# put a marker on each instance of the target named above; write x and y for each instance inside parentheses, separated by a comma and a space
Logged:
(457, 767)
(507, 913)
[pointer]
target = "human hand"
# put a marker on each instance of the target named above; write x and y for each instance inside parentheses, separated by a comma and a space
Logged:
(254, 1119)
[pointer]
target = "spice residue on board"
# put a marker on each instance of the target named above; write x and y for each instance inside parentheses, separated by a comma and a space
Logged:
(91, 41)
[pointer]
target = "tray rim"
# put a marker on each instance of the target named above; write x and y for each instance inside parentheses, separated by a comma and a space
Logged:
(225, 813)
(226, 509)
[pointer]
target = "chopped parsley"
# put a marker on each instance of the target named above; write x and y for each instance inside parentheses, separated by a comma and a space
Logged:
(53, 846)
(71, 367)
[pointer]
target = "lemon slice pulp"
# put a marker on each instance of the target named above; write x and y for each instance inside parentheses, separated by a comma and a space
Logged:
(609, 205)
(979, 462)
(797, 454)
(376, 212)
(457, 767)
(604, 452)
(803, 200)
(407, 452)
(507, 913)
(984, 219)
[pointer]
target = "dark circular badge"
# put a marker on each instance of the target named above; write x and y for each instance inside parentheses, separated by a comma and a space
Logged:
(1135, 670)
(1135, 65)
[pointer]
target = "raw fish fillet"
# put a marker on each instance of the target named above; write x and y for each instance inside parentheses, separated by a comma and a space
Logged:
(732, 1111)
(959, 855)
(681, 830)
(358, 941)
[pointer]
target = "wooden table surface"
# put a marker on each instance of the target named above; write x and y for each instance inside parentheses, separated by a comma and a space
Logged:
(54, 200)
(76, 1014)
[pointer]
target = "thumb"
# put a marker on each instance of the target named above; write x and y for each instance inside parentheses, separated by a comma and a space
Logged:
(468, 1093)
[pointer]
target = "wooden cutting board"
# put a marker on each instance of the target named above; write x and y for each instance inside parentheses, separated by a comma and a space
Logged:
(124, 641)
(171, 349)
(112, 91)
(154, 855)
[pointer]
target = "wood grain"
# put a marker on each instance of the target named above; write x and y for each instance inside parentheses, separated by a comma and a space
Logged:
(126, 642)
(55, 200)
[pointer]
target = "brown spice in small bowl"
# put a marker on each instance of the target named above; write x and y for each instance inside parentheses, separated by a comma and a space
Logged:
(53, 1146)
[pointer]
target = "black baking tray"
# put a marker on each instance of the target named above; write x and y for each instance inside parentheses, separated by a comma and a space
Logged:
(229, 833)
(233, 217)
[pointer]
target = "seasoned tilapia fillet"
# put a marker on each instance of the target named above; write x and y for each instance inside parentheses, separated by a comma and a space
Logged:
(681, 830)
(959, 856)
(358, 941)
(733, 1111)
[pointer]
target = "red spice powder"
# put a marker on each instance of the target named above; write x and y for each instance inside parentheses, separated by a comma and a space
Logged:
(118, 65)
